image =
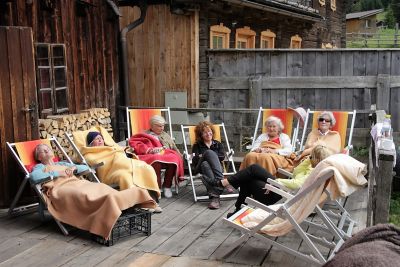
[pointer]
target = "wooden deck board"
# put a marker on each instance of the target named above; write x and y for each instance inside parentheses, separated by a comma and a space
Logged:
(185, 234)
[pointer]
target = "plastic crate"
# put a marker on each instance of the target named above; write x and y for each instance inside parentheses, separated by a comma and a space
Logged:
(129, 223)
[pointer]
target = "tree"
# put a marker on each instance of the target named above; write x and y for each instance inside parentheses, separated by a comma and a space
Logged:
(390, 20)
(395, 6)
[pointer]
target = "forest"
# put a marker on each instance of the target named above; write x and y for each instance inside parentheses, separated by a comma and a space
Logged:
(392, 9)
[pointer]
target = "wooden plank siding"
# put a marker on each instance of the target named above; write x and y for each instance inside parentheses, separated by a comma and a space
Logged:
(162, 55)
(17, 93)
(90, 40)
(315, 79)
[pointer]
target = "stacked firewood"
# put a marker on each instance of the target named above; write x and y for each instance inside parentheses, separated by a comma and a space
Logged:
(57, 125)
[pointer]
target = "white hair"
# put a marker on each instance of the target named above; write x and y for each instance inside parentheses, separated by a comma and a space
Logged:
(330, 115)
(157, 119)
(273, 119)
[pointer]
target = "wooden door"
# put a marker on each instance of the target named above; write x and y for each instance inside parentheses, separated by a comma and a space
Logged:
(18, 104)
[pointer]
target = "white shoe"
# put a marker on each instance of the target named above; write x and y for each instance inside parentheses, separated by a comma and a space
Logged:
(167, 192)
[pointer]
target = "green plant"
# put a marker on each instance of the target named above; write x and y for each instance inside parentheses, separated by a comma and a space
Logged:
(360, 151)
(394, 214)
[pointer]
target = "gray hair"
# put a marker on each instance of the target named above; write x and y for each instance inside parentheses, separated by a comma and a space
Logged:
(36, 151)
(330, 115)
(157, 119)
(273, 119)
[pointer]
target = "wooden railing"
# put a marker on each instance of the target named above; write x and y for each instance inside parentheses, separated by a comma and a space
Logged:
(380, 180)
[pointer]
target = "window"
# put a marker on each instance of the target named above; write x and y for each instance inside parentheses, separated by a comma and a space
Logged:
(267, 39)
(367, 23)
(51, 72)
(245, 38)
(295, 41)
(219, 36)
(333, 5)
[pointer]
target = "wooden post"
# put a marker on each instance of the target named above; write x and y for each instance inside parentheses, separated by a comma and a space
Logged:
(384, 177)
(255, 92)
(383, 92)
(396, 35)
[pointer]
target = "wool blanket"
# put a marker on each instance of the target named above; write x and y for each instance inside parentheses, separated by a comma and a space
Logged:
(94, 207)
(348, 176)
(377, 246)
(117, 168)
(269, 161)
(142, 144)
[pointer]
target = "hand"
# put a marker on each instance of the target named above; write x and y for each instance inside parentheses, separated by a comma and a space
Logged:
(70, 171)
(257, 150)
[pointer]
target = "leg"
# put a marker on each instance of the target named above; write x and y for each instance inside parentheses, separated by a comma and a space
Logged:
(243, 193)
(215, 168)
(169, 175)
(157, 168)
(214, 188)
(256, 188)
(253, 172)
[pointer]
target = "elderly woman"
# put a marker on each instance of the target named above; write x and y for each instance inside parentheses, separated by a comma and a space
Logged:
(94, 207)
(272, 149)
(156, 148)
(322, 135)
(252, 180)
(208, 155)
(98, 146)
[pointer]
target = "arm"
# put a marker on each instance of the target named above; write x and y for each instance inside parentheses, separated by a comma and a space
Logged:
(39, 174)
(300, 175)
(286, 145)
(220, 151)
(197, 153)
(140, 146)
(258, 142)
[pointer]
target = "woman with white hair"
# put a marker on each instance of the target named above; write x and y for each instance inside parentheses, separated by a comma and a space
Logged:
(157, 148)
(272, 149)
(323, 135)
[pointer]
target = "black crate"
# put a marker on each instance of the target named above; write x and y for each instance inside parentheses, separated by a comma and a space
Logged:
(129, 223)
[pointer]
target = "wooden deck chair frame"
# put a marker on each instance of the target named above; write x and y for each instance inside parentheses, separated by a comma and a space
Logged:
(282, 211)
(287, 117)
(188, 156)
(147, 113)
(13, 210)
(339, 116)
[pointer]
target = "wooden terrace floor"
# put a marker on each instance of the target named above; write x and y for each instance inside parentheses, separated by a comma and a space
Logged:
(184, 234)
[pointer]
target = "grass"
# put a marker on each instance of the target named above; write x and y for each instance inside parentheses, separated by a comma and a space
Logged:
(394, 215)
(383, 38)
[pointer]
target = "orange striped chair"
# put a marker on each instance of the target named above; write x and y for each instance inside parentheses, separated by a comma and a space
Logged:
(189, 139)
(138, 119)
(341, 126)
(287, 117)
(23, 153)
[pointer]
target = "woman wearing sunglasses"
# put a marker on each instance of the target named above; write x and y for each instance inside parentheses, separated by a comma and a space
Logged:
(323, 135)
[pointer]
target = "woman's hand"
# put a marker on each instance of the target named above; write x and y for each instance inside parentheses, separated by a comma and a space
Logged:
(155, 150)
(258, 150)
(70, 171)
(269, 150)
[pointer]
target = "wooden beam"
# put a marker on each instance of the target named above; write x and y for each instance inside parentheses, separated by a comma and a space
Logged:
(311, 82)
(383, 92)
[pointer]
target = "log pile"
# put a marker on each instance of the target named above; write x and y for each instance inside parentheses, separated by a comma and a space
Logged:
(57, 125)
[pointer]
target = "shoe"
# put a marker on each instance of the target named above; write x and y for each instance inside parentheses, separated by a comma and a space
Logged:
(229, 189)
(231, 213)
(157, 209)
(167, 192)
(214, 204)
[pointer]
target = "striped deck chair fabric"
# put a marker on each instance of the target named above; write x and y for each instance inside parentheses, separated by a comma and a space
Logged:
(138, 119)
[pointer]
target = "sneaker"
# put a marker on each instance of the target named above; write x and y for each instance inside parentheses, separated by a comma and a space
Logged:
(214, 204)
(157, 209)
(167, 192)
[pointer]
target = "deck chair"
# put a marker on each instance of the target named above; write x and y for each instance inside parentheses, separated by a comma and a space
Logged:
(342, 121)
(292, 213)
(287, 119)
(23, 153)
(138, 122)
(189, 140)
(138, 119)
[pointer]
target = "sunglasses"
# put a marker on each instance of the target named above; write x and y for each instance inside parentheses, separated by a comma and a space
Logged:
(322, 119)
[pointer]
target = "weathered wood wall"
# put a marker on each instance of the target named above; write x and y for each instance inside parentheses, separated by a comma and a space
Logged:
(163, 55)
(18, 114)
(330, 30)
(315, 79)
(90, 33)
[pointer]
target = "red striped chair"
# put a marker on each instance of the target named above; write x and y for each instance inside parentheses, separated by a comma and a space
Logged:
(138, 119)
(287, 117)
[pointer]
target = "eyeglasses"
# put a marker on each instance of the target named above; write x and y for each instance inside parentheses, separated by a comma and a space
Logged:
(323, 119)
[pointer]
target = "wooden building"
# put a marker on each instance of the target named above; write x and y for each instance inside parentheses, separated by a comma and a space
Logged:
(362, 22)
(168, 52)
(56, 56)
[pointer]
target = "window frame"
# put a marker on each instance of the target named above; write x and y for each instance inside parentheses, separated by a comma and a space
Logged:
(267, 35)
(247, 35)
(54, 67)
(333, 5)
(295, 39)
(220, 31)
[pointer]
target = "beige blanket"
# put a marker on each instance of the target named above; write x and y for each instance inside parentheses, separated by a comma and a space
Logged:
(94, 207)
(118, 168)
(348, 177)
